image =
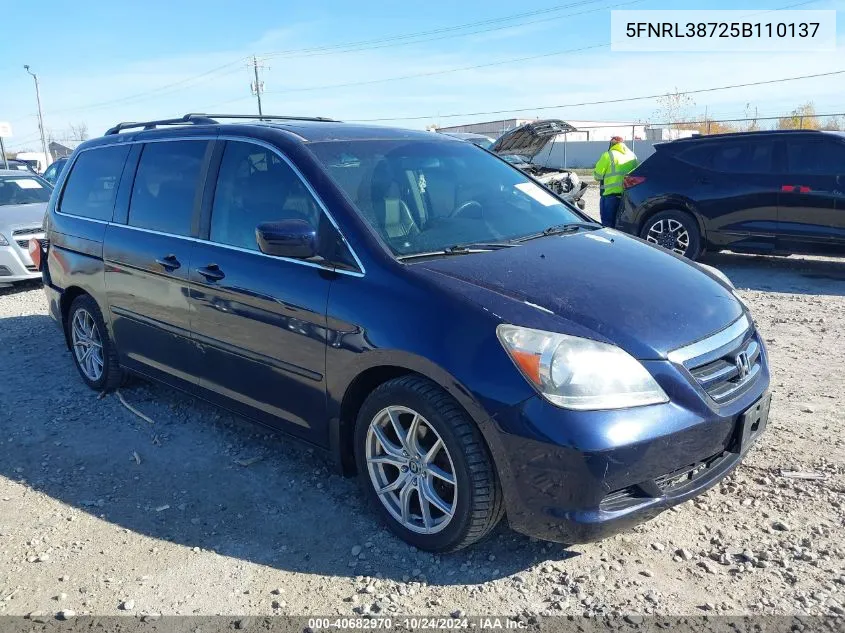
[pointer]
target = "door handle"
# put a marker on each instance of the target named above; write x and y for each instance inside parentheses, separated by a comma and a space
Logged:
(211, 272)
(168, 262)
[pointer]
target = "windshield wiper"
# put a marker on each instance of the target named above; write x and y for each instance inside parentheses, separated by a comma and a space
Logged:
(559, 229)
(460, 249)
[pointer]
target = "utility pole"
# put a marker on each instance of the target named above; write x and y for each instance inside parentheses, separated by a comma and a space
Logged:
(258, 86)
(40, 117)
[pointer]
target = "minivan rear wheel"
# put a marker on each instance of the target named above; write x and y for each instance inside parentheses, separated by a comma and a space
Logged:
(424, 466)
(93, 353)
(674, 230)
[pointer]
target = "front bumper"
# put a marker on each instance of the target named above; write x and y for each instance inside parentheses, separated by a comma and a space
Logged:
(16, 265)
(573, 477)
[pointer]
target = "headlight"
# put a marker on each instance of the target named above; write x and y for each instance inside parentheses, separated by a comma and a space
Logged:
(577, 373)
(3, 241)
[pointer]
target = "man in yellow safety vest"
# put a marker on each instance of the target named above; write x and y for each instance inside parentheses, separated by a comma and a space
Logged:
(616, 163)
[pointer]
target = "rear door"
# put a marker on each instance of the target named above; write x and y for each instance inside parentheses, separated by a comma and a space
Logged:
(811, 210)
(260, 321)
(735, 192)
(148, 254)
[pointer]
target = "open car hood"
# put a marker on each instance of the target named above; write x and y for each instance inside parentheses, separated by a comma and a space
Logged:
(529, 139)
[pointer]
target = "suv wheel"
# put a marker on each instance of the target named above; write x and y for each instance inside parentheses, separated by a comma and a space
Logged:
(93, 352)
(676, 231)
(425, 467)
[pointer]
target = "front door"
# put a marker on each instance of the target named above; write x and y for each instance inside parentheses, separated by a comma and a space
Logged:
(259, 321)
(737, 194)
(811, 210)
(148, 259)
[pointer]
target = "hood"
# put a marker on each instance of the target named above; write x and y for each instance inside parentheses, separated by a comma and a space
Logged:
(603, 285)
(529, 139)
(22, 215)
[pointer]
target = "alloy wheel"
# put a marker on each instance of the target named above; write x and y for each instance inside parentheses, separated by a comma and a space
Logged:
(670, 234)
(411, 470)
(87, 345)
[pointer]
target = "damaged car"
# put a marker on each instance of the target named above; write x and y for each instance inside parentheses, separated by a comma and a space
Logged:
(521, 146)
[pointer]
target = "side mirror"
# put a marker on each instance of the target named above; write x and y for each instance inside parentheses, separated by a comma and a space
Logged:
(296, 239)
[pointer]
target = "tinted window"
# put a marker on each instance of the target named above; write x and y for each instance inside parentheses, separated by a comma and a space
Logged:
(255, 186)
(699, 155)
(22, 190)
(744, 157)
(815, 157)
(166, 186)
(92, 185)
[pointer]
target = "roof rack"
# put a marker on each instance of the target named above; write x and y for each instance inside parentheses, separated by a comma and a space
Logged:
(197, 118)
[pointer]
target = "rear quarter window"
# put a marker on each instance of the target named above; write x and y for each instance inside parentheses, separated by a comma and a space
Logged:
(92, 184)
(697, 156)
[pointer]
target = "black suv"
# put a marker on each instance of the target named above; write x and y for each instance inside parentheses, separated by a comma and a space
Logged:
(775, 192)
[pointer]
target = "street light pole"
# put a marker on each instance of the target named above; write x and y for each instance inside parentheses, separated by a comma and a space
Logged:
(40, 117)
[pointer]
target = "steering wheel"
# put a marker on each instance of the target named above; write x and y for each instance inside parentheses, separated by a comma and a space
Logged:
(461, 208)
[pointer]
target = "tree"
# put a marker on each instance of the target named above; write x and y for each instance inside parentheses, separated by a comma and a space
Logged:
(801, 118)
(673, 107)
(79, 132)
(834, 123)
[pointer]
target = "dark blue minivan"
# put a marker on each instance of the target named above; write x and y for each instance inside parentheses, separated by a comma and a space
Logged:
(466, 342)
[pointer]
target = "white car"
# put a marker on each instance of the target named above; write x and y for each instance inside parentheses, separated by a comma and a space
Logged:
(23, 202)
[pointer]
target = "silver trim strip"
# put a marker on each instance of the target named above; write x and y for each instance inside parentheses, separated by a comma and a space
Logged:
(712, 345)
(188, 238)
(243, 139)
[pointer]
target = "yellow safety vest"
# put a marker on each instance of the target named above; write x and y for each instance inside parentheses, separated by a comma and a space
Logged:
(613, 166)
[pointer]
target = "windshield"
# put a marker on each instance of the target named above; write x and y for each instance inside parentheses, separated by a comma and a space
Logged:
(22, 190)
(424, 196)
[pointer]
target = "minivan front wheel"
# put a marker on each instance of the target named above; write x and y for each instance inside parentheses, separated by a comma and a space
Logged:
(676, 231)
(93, 352)
(424, 466)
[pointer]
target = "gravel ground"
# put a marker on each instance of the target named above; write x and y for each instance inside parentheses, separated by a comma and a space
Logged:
(200, 512)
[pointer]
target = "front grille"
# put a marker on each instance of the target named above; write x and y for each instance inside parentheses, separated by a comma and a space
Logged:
(24, 244)
(30, 231)
(31, 268)
(732, 374)
(726, 364)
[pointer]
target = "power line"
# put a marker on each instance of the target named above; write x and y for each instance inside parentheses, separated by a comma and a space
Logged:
(604, 101)
(498, 63)
(154, 91)
(403, 39)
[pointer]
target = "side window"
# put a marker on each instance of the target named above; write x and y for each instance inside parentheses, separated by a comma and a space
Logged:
(254, 186)
(700, 156)
(166, 186)
(92, 185)
(748, 157)
(818, 157)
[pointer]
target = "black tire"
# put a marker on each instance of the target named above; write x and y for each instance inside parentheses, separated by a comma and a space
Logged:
(112, 375)
(479, 504)
(668, 239)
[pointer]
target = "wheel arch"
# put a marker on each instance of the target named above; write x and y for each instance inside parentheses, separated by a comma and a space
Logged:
(365, 379)
(674, 203)
(66, 300)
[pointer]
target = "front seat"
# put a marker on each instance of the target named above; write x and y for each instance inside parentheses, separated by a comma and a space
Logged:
(391, 212)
